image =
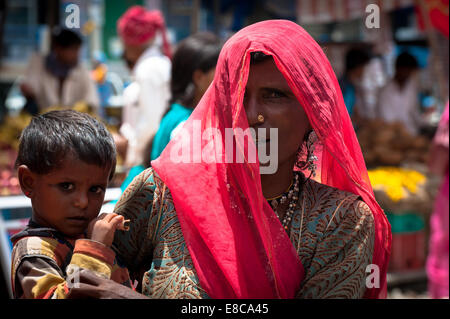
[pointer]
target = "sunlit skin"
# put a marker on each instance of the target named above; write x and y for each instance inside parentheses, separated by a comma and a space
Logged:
(69, 197)
(268, 93)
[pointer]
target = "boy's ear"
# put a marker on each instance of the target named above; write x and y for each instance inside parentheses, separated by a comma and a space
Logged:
(27, 179)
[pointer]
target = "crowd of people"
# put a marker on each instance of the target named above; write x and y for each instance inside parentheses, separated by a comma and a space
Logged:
(215, 228)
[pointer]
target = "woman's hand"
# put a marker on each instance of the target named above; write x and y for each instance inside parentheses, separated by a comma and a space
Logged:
(92, 286)
(103, 227)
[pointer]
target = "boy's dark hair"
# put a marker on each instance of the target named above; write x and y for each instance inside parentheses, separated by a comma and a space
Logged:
(197, 52)
(65, 38)
(51, 136)
(406, 60)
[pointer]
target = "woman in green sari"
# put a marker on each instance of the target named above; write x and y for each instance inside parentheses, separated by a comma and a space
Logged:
(193, 67)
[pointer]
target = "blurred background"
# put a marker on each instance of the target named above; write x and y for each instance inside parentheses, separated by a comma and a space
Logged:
(402, 41)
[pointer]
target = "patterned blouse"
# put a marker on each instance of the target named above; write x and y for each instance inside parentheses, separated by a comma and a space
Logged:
(332, 231)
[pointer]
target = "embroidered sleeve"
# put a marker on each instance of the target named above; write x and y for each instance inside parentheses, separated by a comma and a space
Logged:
(338, 268)
(134, 247)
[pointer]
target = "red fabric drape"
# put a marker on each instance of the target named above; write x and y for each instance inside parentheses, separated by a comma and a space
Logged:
(237, 244)
(438, 11)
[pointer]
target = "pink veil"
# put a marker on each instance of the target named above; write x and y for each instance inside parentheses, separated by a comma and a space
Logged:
(238, 246)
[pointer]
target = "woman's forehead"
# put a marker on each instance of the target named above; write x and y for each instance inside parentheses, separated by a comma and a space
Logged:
(266, 73)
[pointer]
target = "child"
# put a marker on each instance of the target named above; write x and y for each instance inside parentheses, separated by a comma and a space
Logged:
(65, 161)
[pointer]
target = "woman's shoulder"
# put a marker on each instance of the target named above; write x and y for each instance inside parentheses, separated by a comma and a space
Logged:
(328, 193)
(143, 188)
(337, 207)
(175, 115)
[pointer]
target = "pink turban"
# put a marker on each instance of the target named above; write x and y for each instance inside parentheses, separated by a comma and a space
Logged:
(138, 25)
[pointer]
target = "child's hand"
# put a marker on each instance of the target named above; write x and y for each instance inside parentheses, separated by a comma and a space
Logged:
(103, 227)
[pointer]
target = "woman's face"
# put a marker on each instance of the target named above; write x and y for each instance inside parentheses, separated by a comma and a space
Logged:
(268, 94)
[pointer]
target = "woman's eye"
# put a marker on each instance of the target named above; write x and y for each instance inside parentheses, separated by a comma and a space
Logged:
(274, 94)
(66, 186)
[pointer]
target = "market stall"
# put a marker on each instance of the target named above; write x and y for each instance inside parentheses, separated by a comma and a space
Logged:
(405, 189)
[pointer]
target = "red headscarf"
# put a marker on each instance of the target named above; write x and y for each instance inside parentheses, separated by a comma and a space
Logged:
(138, 25)
(238, 246)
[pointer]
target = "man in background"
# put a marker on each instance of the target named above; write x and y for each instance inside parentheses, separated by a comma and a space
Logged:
(146, 98)
(58, 79)
(398, 100)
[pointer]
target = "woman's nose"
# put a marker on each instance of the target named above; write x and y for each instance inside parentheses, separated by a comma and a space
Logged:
(251, 109)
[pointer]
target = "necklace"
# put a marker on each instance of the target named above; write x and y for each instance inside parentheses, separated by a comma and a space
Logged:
(291, 195)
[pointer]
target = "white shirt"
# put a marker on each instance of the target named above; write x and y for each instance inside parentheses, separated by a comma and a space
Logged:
(145, 101)
(395, 105)
(77, 87)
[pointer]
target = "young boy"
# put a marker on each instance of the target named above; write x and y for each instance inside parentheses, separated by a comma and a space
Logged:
(65, 161)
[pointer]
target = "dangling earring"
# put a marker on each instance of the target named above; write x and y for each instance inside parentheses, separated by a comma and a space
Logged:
(311, 158)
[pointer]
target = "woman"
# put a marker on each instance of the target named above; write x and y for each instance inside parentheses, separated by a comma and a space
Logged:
(193, 67)
(217, 228)
(437, 262)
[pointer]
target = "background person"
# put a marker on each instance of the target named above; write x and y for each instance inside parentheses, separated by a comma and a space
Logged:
(356, 61)
(58, 79)
(398, 100)
(193, 68)
(437, 262)
(146, 98)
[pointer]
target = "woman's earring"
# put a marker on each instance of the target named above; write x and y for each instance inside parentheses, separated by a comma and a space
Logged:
(260, 118)
(311, 158)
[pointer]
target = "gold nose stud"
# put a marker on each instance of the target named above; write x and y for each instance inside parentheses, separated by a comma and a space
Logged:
(260, 118)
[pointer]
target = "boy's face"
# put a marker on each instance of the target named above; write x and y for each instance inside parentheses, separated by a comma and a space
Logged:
(68, 197)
